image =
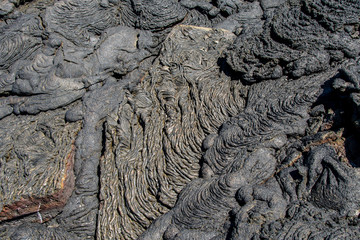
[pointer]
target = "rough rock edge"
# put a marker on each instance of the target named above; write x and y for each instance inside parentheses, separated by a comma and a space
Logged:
(56, 201)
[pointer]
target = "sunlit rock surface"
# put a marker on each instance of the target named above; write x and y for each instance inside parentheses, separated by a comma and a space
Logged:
(189, 119)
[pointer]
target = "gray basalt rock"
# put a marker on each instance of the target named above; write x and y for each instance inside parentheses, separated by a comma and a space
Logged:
(176, 105)
(37, 160)
(191, 119)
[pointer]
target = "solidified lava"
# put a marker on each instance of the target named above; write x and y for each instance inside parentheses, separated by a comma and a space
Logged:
(190, 119)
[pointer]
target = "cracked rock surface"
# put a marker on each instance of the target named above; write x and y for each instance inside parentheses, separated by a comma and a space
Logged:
(190, 119)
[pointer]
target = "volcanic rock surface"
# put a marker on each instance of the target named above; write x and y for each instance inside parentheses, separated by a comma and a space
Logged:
(190, 119)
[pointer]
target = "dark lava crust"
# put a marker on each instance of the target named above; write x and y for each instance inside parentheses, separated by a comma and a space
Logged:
(189, 119)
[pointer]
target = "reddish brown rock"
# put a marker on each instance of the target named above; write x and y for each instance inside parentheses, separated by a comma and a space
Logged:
(36, 175)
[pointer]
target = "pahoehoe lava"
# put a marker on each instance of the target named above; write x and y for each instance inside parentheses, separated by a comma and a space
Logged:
(179, 119)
